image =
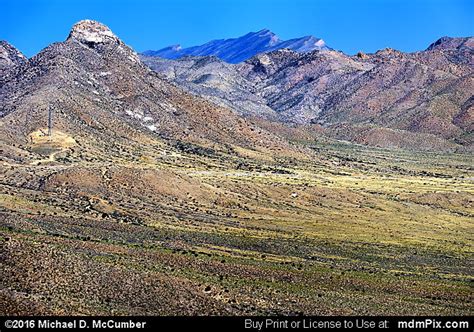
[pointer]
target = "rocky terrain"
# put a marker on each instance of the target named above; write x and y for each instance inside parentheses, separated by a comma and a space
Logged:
(10, 57)
(102, 95)
(124, 192)
(235, 50)
(419, 100)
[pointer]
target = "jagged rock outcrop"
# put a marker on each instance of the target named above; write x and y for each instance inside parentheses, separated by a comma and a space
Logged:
(92, 32)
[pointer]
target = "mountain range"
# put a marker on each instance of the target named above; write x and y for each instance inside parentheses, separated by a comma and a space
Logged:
(89, 69)
(389, 98)
(235, 50)
(421, 100)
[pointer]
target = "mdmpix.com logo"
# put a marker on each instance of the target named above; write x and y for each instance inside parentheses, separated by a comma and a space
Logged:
(432, 324)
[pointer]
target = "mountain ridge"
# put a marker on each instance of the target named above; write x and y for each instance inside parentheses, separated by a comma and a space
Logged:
(425, 94)
(235, 50)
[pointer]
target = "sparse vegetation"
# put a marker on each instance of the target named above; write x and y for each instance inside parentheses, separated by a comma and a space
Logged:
(370, 231)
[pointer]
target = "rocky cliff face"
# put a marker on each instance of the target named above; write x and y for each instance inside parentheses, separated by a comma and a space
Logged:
(424, 95)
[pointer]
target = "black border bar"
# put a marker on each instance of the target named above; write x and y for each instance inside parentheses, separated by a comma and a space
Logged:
(249, 323)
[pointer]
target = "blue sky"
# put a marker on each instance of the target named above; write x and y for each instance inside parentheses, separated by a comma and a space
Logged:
(350, 26)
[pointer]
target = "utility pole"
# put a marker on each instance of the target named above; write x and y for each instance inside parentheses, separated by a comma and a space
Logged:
(50, 121)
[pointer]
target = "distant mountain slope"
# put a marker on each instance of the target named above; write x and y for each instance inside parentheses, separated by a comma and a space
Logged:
(236, 50)
(216, 80)
(427, 95)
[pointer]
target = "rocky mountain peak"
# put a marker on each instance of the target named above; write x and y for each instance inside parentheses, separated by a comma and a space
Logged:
(313, 40)
(92, 32)
(266, 34)
(176, 47)
(265, 31)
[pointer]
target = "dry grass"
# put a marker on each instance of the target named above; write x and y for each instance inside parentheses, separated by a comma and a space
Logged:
(355, 231)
